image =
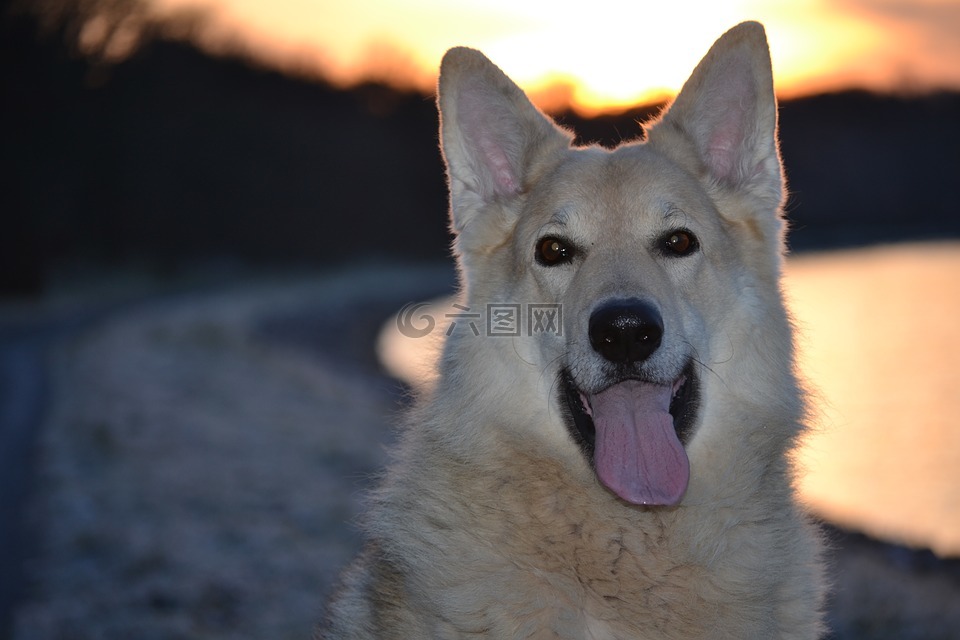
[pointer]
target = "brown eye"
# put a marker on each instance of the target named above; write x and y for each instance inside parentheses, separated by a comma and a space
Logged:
(679, 243)
(553, 251)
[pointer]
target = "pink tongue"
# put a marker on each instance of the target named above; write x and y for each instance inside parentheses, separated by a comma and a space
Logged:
(637, 453)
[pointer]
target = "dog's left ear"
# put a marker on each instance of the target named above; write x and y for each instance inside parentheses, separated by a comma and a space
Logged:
(728, 112)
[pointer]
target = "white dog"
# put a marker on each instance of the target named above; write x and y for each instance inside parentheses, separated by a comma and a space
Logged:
(617, 464)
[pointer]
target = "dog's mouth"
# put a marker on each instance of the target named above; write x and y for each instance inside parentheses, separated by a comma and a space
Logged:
(634, 433)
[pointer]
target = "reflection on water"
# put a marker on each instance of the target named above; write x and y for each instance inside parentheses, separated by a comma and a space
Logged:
(879, 342)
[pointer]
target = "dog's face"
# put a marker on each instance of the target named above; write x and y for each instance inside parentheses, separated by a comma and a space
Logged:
(652, 252)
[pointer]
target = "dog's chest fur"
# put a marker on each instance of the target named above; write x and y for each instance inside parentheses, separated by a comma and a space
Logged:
(536, 553)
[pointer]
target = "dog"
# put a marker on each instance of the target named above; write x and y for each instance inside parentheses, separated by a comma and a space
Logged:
(625, 470)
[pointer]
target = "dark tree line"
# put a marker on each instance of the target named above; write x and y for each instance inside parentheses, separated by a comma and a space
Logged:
(123, 144)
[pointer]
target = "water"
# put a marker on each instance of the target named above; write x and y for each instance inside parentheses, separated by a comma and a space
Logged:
(879, 348)
(879, 343)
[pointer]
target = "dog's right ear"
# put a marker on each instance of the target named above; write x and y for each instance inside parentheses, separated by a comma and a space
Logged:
(493, 137)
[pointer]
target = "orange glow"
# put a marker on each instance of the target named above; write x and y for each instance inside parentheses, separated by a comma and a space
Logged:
(878, 343)
(609, 53)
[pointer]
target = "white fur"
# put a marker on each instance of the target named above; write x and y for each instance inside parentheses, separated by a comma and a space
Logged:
(491, 522)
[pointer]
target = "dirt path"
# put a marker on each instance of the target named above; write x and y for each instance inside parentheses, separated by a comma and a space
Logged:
(200, 467)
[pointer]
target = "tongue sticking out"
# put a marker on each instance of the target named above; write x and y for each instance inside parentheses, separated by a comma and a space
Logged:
(637, 453)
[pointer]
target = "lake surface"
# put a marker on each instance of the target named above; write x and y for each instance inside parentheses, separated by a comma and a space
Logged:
(879, 348)
(879, 343)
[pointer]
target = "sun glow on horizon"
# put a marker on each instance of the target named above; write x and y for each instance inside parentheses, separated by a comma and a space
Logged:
(605, 55)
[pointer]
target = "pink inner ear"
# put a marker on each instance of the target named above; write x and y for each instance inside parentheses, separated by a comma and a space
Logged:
(721, 152)
(504, 181)
(489, 131)
(730, 107)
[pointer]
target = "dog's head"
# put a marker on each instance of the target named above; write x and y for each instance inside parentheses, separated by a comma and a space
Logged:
(661, 257)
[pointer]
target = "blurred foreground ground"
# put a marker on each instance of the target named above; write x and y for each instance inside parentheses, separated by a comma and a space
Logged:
(203, 458)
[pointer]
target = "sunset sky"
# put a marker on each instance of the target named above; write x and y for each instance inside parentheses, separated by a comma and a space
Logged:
(608, 53)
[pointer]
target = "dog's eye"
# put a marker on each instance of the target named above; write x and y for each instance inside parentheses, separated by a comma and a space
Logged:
(679, 243)
(553, 251)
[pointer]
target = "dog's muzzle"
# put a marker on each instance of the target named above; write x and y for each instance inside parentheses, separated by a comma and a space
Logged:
(634, 429)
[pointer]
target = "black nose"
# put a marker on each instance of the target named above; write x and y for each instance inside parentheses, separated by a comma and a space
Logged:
(626, 331)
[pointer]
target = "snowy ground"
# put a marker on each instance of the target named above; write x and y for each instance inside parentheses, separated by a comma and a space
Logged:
(204, 456)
